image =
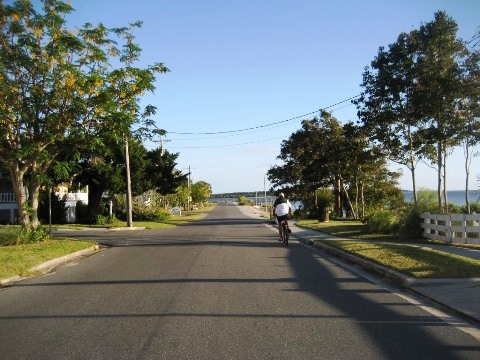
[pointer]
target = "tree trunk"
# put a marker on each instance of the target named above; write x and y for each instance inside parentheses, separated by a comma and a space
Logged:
(348, 200)
(467, 175)
(439, 171)
(34, 193)
(94, 200)
(357, 195)
(17, 175)
(445, 196)
(412, 167)
(339, 196)
(362, 200)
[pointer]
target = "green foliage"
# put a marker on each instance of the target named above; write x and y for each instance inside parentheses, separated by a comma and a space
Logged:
(59, 211)
(302, 214)
(326, 154)
(105, 219)
(242, 200)
(382, 222)
(325, 198)
(9, 234)
(150, 214)
(81, 212)
(416, 92)
(201, 191)
(79, 88)
(161, 171)
(409, 223)
(32, 235)
(474, 207)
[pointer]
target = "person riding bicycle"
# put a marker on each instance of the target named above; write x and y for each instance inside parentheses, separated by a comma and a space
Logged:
(282, 209)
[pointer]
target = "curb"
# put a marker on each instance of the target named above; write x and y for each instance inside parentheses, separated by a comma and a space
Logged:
(389, 274)
(50, 265)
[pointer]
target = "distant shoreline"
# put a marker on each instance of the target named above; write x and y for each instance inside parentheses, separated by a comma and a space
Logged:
(456, 197)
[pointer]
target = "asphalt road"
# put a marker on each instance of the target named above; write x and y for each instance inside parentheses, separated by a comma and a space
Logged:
(220, 288)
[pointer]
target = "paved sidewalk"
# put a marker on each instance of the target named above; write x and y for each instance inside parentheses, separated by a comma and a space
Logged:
(459, 295)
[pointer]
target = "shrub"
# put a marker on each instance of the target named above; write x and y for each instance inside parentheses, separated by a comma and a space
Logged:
(32, 235)
(58, 208)
(158, 215)
(382, 222)
(105, 219)
(242, 200)
(81, 212)
(410, 224)
(149, 214)
(474, 207)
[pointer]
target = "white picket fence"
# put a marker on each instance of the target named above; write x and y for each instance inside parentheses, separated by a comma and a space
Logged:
(452, 228)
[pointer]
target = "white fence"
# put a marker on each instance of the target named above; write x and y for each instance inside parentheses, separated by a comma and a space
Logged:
(453, 228)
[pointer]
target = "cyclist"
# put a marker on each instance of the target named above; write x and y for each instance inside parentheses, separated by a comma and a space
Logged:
(282, 209)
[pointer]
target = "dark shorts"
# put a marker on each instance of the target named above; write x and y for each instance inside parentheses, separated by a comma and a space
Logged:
(283, 217)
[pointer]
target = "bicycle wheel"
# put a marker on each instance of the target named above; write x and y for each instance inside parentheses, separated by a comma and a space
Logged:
(285, 233)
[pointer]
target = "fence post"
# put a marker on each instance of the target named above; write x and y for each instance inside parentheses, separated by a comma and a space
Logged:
(426, 220)
(448, 228)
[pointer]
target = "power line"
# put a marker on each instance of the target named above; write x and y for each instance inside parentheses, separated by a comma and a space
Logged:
(262, 126)
(221, 146)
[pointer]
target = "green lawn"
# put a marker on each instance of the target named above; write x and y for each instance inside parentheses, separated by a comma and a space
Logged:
(345, 228)
(411, 260)
(408, 258)
(19, 259)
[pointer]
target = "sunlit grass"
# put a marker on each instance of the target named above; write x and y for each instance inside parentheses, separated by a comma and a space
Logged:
(344, 228)
(19, 259)
(411, 260)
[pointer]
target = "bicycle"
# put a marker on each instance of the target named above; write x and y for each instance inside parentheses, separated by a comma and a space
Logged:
(285, 232)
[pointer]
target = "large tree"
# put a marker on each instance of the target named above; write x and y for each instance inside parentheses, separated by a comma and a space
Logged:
(413, 94)
(200, 191)
(387, 106)
(470, 112)
(162, 173)
(326, 154)
(440, 56)
(58, 83)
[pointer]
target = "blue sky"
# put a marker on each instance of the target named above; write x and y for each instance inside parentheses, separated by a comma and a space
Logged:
(243, 64)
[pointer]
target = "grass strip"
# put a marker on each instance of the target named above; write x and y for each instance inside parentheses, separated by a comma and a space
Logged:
(345, 228)
(18, 260)
(414, 261)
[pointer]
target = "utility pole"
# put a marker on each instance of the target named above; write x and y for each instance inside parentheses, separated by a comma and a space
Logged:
(265, 190)
(189, 190)
(162, 150)
(129, 185)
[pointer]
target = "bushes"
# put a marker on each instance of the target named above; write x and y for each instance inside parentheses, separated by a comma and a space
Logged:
(105, 219)
(409, 225)
(382, 222)
(242, 200)
(149, 214)
(31, 235)
(59, 211)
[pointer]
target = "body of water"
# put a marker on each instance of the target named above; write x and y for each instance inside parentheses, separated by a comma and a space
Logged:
(456, 197)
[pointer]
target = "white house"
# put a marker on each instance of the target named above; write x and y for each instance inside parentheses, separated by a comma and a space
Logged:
(8, 203)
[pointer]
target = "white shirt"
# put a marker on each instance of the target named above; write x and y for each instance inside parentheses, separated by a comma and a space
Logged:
(282, 209)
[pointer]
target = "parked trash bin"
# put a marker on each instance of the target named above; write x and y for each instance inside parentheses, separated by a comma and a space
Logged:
(326, 216)
(323, 214)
